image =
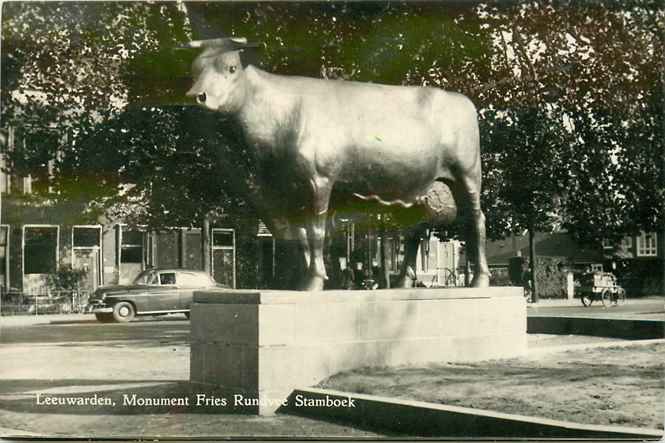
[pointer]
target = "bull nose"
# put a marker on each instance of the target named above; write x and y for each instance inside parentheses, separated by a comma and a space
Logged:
(201, 98)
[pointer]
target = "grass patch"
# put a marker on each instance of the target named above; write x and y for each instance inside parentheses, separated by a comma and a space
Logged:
(606, 386)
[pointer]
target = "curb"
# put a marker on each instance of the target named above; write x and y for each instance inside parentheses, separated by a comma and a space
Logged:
(436, 420)
(29, 320)
(611, 344)
(576, 302)
(64, 319)
(7, 433)
(632, 329)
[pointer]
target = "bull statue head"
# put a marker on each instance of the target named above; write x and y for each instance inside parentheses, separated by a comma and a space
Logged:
(218, 73)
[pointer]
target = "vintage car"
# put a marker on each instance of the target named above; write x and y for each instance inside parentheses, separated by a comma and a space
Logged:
(153, 292)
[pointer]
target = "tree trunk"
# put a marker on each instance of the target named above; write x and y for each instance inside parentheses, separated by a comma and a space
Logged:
(467, 268)
(662, 253)
(532, 264)
(183, 252)
(662, 171)
(205, 244)
(384, 260)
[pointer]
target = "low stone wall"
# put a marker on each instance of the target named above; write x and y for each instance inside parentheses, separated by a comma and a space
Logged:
(263, 344)
(632, 329)
(421, 419)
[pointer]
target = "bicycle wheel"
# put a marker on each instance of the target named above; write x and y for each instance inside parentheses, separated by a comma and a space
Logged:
(606, 298)
(586, 299)
(528, 295)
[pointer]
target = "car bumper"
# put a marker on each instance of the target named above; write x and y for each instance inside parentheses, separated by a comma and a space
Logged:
(100, 309)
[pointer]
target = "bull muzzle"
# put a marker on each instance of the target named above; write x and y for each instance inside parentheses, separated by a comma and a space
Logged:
(201, 98)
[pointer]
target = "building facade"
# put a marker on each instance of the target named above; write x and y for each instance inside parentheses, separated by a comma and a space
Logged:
(39, 238)
(637, 260)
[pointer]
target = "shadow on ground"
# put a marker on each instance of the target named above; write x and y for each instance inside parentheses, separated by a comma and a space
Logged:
(115, 397)
(146, 332)
(18, 401)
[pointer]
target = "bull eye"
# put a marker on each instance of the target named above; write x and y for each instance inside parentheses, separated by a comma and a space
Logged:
(201, 98)
(232, 69)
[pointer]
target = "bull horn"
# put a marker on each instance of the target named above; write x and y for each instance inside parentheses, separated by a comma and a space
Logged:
(225, 43)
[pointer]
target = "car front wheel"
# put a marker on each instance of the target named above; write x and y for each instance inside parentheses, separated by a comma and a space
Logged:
(123, 312)
(104, 317)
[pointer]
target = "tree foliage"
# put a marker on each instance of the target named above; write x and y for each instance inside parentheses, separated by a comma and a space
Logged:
(570, 97)
(571, 83)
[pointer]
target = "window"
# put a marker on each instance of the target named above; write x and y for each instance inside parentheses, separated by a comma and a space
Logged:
(86, 236)
(647, 245)
(44, 144)
(192, 246)
(5, 178)
(86, 254)
(132, 247)
(4, 255)
(222, 238)
(146, 278)
(40, 249)
(627, 243)
(168, 249)
(223, 256)
(167, 278)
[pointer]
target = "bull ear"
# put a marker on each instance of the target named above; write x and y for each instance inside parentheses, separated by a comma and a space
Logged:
(226, 44)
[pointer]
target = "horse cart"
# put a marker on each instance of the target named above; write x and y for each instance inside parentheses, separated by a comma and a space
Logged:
(603, 287)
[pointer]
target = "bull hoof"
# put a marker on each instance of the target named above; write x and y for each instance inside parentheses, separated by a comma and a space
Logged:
(312, 284)
(481, 281)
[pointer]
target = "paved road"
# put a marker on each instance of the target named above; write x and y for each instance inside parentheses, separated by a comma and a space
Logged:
(174, 329)
(170, 330)
(651, 309)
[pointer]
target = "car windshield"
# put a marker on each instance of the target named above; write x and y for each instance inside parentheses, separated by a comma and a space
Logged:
(147, 277)
(183, 279)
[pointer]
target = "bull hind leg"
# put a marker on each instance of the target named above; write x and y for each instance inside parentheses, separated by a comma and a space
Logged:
(466, 191)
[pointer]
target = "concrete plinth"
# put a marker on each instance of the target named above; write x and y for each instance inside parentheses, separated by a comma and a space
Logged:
(263, 344)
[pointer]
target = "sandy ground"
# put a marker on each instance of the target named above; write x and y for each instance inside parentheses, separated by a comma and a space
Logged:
(617, 385)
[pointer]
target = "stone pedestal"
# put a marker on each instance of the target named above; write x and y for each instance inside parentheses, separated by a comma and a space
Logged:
(262, 344)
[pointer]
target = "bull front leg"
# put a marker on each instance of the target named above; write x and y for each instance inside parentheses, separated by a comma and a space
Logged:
(315, 274)
(316, 219)
(300, 234)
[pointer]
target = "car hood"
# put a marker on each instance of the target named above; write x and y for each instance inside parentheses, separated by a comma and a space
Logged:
(111, 290)
(104, 291)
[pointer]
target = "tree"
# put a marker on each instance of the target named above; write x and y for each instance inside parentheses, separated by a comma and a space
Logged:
(569, 80)
(65, 71)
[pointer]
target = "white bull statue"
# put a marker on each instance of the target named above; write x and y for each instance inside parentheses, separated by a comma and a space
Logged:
(388, 144)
